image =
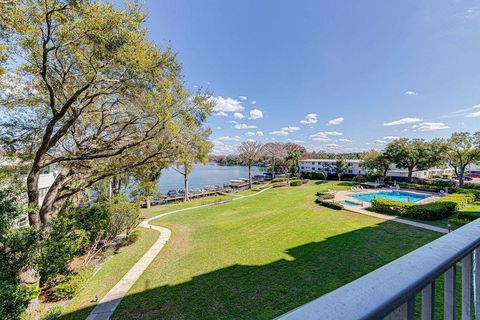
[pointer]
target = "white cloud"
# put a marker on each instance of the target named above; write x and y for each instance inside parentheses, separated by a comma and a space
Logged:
(410, 93)
(228, 138)
(402, 121)
(254, 102)
(324, 135)
(259, 133)
(250, 133)
(335, 122)
(232, 122)
(227, 104)
(238, 115)
(430, 126)
(380, 141)
(344, 140)
(472, 12)
(243, 126)
(390, 138)
(284, 131)
(295, 141)
(243, 98)
(256, 114)
(221, 148)
(473, 114)
(332, 146)
(310, 118)
(220, 114)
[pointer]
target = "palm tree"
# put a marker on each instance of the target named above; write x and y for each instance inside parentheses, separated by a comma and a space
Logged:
(249, 152)
(340, 166)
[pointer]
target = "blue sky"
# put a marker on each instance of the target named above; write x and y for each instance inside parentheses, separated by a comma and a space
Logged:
(331, 75)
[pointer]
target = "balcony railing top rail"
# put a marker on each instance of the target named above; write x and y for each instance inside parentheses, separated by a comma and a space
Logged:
(393, 287)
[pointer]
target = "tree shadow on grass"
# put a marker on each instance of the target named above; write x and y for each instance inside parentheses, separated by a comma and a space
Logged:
(267, 291)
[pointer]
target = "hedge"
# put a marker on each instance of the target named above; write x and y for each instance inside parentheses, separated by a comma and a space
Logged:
(279, 180)
(472, 191)
(430, 211)
(426, 187)
(314, 175)
(331, 205)
(472, 186)
(324, 196)
(295, 183)
(469, 216)
(280, 184)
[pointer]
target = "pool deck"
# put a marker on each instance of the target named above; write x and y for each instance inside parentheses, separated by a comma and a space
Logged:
(346, 196)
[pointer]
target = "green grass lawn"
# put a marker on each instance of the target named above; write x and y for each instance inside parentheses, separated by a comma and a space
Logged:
(108, 276)
(262, 256)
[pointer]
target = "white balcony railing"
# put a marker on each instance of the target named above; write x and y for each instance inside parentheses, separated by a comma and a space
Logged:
(390, 291)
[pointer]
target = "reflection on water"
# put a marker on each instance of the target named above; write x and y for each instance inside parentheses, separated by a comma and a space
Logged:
(204, 175)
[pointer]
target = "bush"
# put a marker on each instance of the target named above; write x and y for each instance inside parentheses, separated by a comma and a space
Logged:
(279, 180)
(471, 191)
(331, 205)
(305, 181)
(14, 299)
(474, 186)
(359, 179)
(324, 196)
(280, 184)
(391, 207)
(431, 211)
(468, 216)
(132, 237)
(70, 285)
(459, 199)
(457, 223)
(313, 175)
(295, 183)
(53, 313)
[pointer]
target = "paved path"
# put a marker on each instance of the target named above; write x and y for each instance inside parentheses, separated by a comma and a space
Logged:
(106, 306)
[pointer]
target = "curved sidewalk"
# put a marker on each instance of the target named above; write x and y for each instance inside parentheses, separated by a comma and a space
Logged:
(108, 304)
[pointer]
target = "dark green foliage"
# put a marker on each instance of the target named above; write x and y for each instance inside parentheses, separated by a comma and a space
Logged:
(476, 192)
(295, 183)
(64, 242)
(442, 208)
(131, 238)
(324, 196)
(329, 204)
(392, 207)
(468, 216)
(426, 187)
(313, 175)
(475, 186)
(14, 299)
(67, 287)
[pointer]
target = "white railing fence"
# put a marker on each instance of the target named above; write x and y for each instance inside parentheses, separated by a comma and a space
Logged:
(390, 291)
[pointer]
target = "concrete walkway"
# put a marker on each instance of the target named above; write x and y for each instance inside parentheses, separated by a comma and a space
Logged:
(106, 306)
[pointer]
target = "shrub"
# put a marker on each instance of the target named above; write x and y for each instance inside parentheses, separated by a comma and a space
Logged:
(460, 199)
(324, 196)
(295, 183)
(14, 299)
(359, 179)
(331, 205)
(132, 237)
(313, 175)
(474, 186)
(431, 211)
(305, 181)
(53, 313)
(457, 223)
(391, 207)
(471, 191)
(468, 216)
(70, 285)
(280, 184)
(279, 180)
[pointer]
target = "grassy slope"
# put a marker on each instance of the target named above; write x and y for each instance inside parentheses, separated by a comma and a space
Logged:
(109, 275)
(262, 256)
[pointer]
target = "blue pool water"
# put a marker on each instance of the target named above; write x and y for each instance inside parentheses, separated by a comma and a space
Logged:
(401, 196)
(349, 203)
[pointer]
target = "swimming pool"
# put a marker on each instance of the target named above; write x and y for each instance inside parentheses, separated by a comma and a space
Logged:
(349, 203)
(402, 196)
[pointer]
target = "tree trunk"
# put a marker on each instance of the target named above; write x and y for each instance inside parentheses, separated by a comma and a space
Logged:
(339, 177)
(116, 184)
(32, 193)
(461, 177)
(410, 173)
(148, 203)
(185, 185)
(273, 168)
(250, 175)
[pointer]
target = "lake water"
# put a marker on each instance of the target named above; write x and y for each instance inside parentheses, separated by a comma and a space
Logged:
(204, 175)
